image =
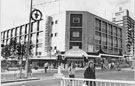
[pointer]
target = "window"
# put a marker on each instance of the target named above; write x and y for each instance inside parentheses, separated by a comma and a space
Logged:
(52, 23)
(18, 31)
(104, 35)
(97, 33)
(97, 48)
(98, 25)
(39, 53)
(2, 35)
(55, 34)
(104, 43)
(75, 34)
(104, 27)
(97, 41)
(9, 33)
(34, 26)
(115, 31)
(33, 38)
(23, 30)
(51, 35)
(56, 21)
(5, 34)
(75, 44)
(13, 32)
(76, 20)
(109, 29)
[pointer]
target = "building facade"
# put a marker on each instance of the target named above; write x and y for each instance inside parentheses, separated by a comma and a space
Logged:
(123, 19)
(86, 31)
(64, 31)
(20, 34)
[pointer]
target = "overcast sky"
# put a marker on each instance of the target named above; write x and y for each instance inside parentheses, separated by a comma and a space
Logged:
(16, 12)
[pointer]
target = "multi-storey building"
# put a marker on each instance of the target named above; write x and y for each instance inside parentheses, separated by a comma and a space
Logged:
(123, 19)
(68, 30)
(87, 31)
(20, 34)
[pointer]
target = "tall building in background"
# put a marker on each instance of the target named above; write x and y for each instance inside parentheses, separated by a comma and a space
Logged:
(123, 19)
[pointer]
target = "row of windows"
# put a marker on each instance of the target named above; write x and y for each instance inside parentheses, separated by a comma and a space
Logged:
(107, 28)
(54, 35)
(39, 34)
(115, 44)
(114, 34)
(108, 49)
(25, 38)
(22, 30)
(106, 36)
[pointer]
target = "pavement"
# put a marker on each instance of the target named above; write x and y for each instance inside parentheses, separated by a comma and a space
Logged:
(40, 71)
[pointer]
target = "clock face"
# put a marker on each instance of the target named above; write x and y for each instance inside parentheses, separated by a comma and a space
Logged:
(36, 15)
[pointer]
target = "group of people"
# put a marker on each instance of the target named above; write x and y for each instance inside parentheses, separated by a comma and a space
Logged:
(89, 72)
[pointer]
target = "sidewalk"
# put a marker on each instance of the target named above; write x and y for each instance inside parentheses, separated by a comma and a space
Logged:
(42, 70)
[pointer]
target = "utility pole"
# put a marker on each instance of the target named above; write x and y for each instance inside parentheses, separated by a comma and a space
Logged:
(28, 45)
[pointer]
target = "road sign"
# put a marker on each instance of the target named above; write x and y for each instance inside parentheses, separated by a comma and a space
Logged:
(36, 15)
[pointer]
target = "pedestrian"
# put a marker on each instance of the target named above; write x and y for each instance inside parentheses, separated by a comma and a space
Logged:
(71, 71)
(90, 74)
(109, 66)
(30, 70)
(112, 65)
(46, 67)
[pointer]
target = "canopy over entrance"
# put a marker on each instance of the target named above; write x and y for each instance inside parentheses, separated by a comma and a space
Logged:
(75, 52)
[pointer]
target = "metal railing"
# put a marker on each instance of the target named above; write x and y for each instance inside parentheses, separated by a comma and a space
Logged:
(94, 82)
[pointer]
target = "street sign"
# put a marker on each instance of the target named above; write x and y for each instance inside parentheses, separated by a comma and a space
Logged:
(36, 15)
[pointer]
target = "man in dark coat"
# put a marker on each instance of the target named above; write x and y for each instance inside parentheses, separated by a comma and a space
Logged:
(90, 73)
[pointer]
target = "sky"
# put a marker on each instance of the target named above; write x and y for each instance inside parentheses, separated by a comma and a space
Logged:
(16, 12)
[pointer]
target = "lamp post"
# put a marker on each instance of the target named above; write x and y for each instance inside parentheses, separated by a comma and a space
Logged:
(28, 45)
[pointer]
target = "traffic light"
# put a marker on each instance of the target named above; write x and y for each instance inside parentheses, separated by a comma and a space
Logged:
(18, 48)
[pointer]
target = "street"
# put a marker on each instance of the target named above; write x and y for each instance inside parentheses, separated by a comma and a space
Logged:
(49, 80)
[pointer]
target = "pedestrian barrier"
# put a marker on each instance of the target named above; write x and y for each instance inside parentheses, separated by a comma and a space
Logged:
(94, 82)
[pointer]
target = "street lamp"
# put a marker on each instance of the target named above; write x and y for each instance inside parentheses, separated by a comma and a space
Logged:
(28, 44)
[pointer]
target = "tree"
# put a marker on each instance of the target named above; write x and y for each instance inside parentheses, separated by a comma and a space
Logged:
(6, 52)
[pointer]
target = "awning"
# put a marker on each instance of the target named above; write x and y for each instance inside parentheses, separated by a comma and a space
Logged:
(75, 52)
(116, 56)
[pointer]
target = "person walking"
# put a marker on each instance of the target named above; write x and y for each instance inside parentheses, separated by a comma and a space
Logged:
(71, 71)
(46, 67)
(90, 74)
(30, 70)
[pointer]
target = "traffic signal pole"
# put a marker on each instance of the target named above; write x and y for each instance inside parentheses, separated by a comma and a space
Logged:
(28, 45)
